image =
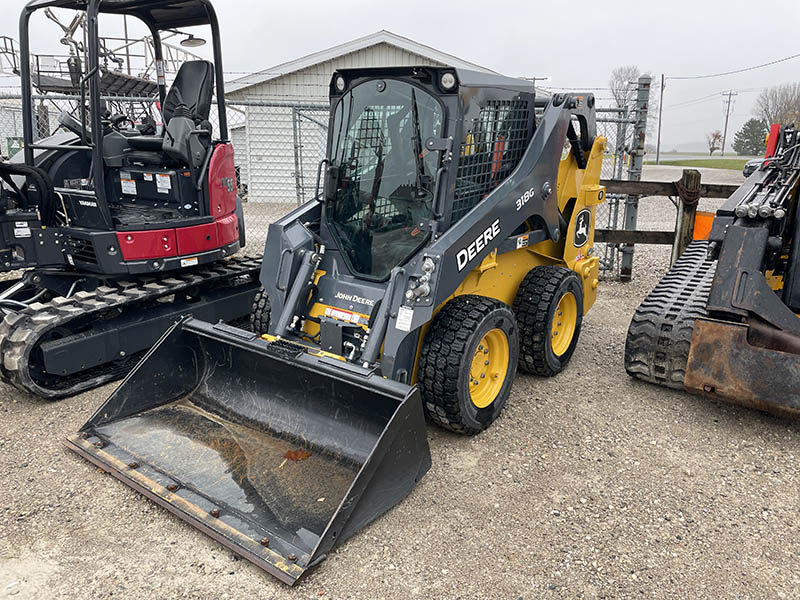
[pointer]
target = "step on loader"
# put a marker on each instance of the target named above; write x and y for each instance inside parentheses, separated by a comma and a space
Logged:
(451, 243)
(723, 322)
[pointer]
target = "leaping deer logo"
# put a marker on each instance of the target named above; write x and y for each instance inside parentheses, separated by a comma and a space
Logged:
(582, 228)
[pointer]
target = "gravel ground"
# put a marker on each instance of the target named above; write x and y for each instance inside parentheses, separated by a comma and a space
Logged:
(591, 485)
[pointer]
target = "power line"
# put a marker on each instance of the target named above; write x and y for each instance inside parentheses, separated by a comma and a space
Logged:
(703, 99)
(766, 64)
(579, 88)
(693, 103)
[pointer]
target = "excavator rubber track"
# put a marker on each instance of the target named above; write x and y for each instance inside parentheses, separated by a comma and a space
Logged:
(62, 320)
(660, 333)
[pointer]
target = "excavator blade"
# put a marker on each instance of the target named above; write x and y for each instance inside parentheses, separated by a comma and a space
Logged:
(277, 452)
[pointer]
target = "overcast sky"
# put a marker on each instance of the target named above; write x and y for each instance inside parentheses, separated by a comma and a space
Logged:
(576, 43)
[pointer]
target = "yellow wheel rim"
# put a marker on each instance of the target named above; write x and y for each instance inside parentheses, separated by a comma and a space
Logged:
(489, 367)
(564, 320)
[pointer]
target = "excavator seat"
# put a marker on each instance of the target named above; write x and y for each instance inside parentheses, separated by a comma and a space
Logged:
(193, 88)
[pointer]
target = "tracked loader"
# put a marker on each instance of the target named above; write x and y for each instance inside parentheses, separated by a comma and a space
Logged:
(120, 227)
(723, 322)
(451, 243)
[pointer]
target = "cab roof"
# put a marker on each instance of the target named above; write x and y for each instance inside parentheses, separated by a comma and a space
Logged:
(158, 14)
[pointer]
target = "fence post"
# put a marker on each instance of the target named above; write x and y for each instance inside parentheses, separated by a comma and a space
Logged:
(689, 194)
(298, 174)
(635, 172)
(619, 151)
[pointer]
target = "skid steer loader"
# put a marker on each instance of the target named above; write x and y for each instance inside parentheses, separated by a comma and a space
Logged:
(451, 243)
(723, 322)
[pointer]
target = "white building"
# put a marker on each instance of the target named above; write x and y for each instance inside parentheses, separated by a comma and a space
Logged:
(278, 117)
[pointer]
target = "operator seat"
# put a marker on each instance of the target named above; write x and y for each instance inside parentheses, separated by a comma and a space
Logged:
(193, 87)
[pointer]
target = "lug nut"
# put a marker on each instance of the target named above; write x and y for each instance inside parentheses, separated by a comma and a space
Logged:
(84, 435)
(292, 557)
(172, 487)
(98, 444)
(265, 541)
(133, 465)
(215, 513)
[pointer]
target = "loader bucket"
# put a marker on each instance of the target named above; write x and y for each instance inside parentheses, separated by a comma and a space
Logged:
(275, 452)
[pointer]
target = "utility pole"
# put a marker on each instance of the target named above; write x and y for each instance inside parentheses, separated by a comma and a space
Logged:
(728, 103)
(660, 108)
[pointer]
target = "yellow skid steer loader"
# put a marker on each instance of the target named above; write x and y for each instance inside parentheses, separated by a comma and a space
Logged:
(450, 243)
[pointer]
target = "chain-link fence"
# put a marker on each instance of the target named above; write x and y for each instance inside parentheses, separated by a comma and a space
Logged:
(279, 146)
(616, 126)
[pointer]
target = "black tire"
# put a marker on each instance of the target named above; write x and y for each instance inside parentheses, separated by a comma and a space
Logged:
(535, 306)
(449, 353)
(260, 314)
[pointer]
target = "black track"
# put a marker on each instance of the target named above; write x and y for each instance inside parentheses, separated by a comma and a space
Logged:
(660, 333)
(23, 331)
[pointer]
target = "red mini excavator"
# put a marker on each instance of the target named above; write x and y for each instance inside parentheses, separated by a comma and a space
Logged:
(121, 228)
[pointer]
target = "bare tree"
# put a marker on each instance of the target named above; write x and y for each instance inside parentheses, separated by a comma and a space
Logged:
(624, 86)
(714, 140)
(779, 104)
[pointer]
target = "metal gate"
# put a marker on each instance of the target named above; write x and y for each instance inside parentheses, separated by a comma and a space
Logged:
(310, 130)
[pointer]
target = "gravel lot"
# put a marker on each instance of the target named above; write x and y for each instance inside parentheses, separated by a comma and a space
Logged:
(590, 485)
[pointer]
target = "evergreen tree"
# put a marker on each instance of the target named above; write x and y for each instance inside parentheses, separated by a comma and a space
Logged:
(749, 140)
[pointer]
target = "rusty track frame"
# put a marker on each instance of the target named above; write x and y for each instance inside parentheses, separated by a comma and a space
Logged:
(724, 364)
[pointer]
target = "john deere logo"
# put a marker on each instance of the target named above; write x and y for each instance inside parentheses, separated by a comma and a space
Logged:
(582, 223)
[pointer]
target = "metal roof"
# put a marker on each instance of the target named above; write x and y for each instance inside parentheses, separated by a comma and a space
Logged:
(380, 37)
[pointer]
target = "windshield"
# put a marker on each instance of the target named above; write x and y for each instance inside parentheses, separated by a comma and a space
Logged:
(385, 177)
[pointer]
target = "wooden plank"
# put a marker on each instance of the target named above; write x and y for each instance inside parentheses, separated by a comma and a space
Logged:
(665, 188)
(688, 211)
(618, 236)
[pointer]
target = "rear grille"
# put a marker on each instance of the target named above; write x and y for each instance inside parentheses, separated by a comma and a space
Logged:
(81, 250)
(491, 150)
